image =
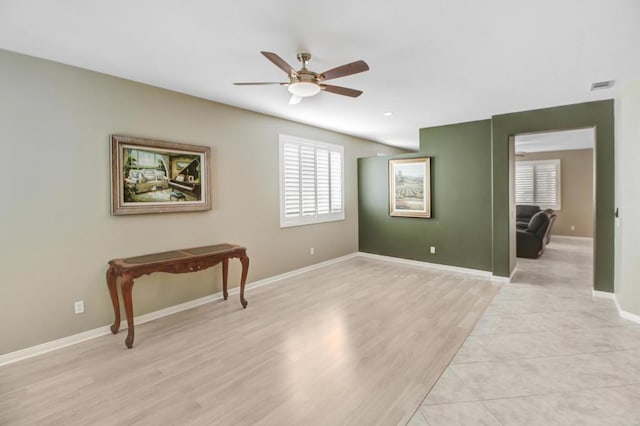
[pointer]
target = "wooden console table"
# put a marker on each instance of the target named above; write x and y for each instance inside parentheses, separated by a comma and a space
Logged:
(175, 262)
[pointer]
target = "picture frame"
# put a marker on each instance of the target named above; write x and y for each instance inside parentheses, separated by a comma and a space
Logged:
(153, 176)
(410, 187)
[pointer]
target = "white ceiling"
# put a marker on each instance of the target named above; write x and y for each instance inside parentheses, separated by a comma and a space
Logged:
(565, 140)
(432, 62)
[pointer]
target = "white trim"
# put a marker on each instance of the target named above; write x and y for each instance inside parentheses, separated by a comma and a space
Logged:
(612, 296)
(499, 279)
(604, 295)
(570, 237)
(628, 315)
(508, 279)
(477, 272)
(624, 314)
(43, 348)
(513, 272)
(63, 342)
(295, 272)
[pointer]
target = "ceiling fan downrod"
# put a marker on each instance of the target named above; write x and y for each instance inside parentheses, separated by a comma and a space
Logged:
(304, 58)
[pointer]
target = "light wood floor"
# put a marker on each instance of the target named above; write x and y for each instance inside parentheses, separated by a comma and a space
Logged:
(360, 342)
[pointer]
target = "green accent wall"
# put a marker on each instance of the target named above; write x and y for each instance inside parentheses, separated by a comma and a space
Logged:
(470, 192)
(599, 114)
(460, 226)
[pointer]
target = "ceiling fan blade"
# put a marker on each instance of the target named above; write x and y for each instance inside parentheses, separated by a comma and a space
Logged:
(344, 70)
(341, 90)
(295, 100)
(280, 63)
(258, 84)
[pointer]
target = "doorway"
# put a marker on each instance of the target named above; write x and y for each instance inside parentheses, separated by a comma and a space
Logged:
(598, 114)
(551, 174)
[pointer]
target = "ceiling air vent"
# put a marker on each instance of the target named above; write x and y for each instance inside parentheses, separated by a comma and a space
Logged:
(602, 85)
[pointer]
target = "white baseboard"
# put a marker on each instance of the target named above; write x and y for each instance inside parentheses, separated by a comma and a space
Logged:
(570, 237)
(513, 272)
(63, 342)
(508, 279)
(476, 272)
(603, 295)
(43, 348)
(626, 315)
(623, 314)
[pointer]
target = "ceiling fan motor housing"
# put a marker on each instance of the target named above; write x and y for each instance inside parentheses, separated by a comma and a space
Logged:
(304, 83)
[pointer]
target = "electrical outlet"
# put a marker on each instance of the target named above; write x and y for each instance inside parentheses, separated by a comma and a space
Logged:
(432, 250)
(573, 227)
(79, 306)
(312, 251)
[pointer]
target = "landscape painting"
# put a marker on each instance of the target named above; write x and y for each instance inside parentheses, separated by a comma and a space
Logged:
(150, 176)
(410, 187)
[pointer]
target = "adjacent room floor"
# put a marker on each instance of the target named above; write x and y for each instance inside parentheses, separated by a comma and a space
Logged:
(544, 353)
(358, 342)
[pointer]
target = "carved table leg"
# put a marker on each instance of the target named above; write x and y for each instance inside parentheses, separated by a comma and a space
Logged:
(225, 274)
(113, 291)
(127, 286)
(245, 269)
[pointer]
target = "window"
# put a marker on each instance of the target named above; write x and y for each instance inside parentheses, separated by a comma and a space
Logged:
(311, 182)
(146, 158)
(538, 183)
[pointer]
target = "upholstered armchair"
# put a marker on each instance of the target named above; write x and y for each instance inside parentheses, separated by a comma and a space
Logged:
(524, 213)
(530, 242)
(552, 218)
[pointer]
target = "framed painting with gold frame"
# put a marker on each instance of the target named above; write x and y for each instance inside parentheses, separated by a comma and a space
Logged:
(152, 176)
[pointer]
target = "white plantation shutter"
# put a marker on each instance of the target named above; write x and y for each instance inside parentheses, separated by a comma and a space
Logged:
(538, 183)
(524, 183)
(322, 174)
(336, 182)
(290, 165)
(311, 181)
(547, 184)
(308, 177)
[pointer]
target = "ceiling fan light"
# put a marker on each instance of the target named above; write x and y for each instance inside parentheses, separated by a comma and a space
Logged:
(304, 89)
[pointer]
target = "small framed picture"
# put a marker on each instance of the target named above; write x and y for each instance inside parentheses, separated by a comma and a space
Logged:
(410, 187)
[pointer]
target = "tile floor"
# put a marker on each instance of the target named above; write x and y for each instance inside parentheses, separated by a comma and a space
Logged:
(545, 353)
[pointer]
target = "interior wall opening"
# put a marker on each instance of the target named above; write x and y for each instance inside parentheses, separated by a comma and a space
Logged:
(551, 189)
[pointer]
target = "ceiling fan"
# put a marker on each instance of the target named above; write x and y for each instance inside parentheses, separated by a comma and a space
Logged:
(305, 83)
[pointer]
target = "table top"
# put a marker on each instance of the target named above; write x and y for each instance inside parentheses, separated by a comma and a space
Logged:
(167, 256)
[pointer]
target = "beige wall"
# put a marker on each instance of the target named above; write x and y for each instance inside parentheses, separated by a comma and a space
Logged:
(55, 222)
(576, 191)
(627, 272)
